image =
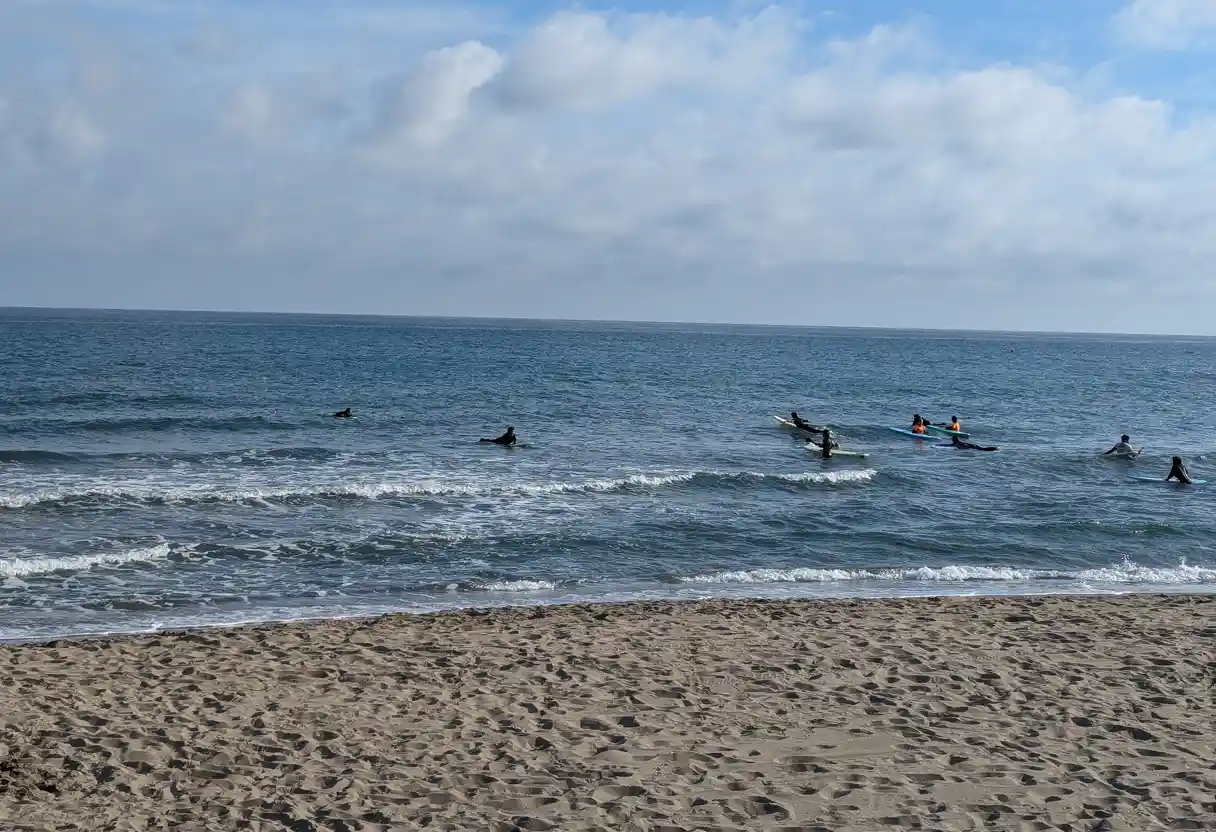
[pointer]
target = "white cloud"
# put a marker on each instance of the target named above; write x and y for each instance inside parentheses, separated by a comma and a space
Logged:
(653, 166)
(1166, 24)
(435, 98)
(586, 61)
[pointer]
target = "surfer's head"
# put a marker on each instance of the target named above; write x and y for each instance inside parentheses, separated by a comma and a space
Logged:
(1177, 460)
(1125, 438)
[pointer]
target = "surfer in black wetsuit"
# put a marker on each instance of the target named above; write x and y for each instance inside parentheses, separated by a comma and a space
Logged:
(826, 447)
(1178, 472)
(344, 414)
(970, 446)
(799, 422)
(506, 440)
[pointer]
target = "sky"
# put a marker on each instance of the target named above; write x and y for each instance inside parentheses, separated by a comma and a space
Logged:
(1010, 164)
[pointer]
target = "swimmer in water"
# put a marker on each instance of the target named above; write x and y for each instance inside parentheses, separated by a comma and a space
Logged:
(344, 414)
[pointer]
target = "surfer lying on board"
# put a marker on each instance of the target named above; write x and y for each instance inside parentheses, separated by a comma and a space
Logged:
(970, 446)
(344, 414)
(1122, 448)
(506, 440)
(799, 422)
(1178, 472)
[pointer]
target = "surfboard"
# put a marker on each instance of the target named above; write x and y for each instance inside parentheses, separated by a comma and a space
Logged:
(818, 450)
(1136, 478)
(907, 432)
(937, 428)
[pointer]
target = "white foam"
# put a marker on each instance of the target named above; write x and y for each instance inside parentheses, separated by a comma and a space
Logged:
(25, 567)
(1125, 573)
(176, 493)
(519, 586)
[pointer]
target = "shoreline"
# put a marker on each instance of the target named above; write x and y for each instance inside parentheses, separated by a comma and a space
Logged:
(779, 594)
(954, 712)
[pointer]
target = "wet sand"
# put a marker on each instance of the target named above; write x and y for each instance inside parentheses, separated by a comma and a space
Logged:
(943, 714)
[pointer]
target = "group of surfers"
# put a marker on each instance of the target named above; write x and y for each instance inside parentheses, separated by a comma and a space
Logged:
(1122, 448)
(919, 425)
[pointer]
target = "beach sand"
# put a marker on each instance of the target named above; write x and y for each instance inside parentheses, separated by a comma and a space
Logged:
(941, 714)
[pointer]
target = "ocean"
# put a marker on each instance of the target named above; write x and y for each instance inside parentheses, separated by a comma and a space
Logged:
(162, 470)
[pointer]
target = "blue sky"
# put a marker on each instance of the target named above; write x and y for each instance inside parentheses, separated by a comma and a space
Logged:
(1011, 165)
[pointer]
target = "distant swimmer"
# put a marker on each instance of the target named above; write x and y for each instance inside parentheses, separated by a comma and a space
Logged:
(970, 446)
(1178, 472)
(344, 414)
(1122, 448)
(799, 422)
(506, 440)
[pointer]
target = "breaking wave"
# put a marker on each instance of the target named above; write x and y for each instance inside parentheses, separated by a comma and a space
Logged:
(29, 567)
(137, 492)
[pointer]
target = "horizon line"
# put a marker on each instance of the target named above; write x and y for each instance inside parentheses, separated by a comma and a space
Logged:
(607, 321)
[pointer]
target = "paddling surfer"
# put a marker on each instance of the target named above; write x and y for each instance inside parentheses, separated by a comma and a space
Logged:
(506, 440)
(956, 442)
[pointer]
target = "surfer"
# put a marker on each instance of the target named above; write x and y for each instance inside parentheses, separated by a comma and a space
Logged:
(918, 424)
(1178, 471)
(1122, 448)
(826, 447)
(799, 422)
(506, 440)
(955, 424)
(344, 414)
(956, 442)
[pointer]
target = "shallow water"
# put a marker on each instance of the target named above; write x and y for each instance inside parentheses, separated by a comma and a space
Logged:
(166, 469)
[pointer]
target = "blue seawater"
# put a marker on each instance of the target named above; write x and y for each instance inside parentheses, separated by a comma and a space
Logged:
(171, 469)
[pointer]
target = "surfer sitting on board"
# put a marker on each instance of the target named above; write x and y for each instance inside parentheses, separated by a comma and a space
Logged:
(955, 424)
(825, 437)
(918, 424)
(506, 440)
(1178, 471)
(970, 446)
(344, 414)
(1122, 448)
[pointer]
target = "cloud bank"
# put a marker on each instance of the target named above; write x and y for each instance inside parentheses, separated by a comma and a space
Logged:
(748, 167)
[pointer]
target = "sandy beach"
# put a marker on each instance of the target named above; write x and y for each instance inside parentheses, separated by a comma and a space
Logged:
(944, 714)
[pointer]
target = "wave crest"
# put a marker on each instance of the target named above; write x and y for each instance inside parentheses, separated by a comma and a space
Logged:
(141, 493)
(30, 567)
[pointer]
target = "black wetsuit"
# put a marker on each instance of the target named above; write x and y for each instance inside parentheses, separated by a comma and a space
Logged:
(507, 439)
(968, 446)
(344, 414)
(1178, 471)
